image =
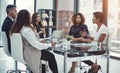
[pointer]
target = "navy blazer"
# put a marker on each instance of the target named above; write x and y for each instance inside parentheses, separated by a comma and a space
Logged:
(6, 28)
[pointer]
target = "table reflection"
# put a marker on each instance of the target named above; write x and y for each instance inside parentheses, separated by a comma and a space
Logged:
(81, 49)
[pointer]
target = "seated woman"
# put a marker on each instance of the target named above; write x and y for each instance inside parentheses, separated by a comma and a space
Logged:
(78, 27)
(33, 49)
(38, 25)
(77, 30)
(101, 36)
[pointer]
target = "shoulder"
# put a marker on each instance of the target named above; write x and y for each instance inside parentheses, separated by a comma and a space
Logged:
(7, 21)
(26, 30)
(104, 27)
(72, 26)
(84, 25)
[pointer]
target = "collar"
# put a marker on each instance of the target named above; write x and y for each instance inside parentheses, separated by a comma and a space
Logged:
(11, 18)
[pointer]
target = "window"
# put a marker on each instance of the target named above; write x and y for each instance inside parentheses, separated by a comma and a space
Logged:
(25, 4)
(44, 4)
(114, 18)
(87, 7)
(10, 2)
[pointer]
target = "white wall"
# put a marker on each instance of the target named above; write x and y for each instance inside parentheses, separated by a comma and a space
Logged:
(2, 11)
(44, 4)
(23, 4)
(2, 15)
(66, 5)
(62, 4)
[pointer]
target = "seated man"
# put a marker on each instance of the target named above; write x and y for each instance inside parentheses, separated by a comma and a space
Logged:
(9, 20)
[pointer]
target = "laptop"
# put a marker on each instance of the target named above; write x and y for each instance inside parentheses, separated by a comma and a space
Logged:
(57, 34)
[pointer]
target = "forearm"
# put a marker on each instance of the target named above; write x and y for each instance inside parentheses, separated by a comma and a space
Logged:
(77, 39)
(81, 39)
(101, 37)
(90, 37)
(40, 32)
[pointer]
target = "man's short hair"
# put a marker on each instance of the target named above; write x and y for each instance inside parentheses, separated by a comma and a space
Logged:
(9, 7)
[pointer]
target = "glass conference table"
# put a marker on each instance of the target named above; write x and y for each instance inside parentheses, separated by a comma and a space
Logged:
(78, 50)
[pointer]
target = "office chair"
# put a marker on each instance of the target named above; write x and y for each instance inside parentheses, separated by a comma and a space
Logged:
(17, 53)
(108, 47)
(5, 44)
(5, 47)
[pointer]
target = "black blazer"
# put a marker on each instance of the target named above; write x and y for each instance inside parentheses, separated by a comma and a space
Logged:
(6, 27)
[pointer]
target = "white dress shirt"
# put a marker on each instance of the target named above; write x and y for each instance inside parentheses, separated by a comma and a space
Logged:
(31, 37)
(102, 30)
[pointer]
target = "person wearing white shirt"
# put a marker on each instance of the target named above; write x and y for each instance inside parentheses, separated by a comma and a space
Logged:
(101, 36)
(34, 50)
(102, 32)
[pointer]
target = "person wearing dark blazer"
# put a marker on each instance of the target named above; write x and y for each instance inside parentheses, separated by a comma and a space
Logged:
(9, 20)
(37, 24)
(77, 30)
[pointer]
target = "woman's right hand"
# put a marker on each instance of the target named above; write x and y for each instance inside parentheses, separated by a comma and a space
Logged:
(53, 44)
(40, 32)
(83, 33)
(43, 29)
(42, 41)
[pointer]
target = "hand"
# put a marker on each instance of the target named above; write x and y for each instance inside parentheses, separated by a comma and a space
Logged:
(83, 33)
(40, 32)
(53, 44)
(42, 41)
(42, 29)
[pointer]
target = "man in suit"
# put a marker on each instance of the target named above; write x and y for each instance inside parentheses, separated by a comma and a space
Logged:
(9, 20)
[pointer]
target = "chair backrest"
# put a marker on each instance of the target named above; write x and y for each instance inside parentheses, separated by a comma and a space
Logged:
(109, 41)
(108, 47)
(17, 47)
(5, 43)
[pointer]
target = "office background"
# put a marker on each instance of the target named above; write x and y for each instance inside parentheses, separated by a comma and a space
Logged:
(64, 9)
